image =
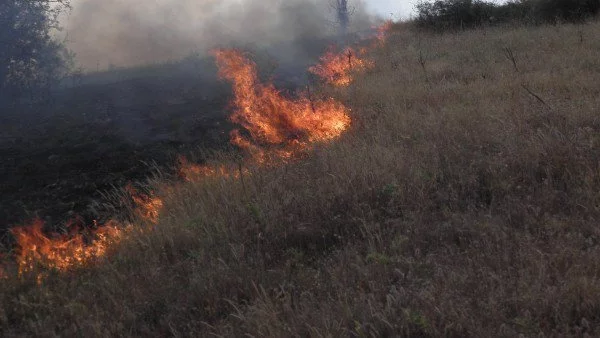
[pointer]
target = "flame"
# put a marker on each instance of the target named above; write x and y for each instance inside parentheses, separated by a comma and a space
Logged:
(337, 68)
(383, 31)
(78, 247)
(271, 120)
(192, 172)
(62, 251)
(147, 207)
(275, 128)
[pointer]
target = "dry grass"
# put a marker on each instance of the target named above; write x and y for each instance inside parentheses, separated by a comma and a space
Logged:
(464, 202)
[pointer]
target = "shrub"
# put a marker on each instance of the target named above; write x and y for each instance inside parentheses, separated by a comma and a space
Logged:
(565, 10)
(454, 14)
(447, 14)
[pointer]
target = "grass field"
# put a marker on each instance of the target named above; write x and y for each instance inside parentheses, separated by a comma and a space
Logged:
(463, 201)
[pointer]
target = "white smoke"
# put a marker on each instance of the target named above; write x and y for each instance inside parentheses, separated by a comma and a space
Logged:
(134, 32)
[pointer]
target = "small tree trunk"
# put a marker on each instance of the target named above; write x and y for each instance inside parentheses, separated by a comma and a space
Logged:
(343, 16)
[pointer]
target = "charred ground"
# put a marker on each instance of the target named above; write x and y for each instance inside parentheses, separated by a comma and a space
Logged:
(61, 153)
(64, 151)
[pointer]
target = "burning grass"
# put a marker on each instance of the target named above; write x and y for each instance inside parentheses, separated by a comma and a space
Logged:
(339, 68)
(463, 203)
(38, 251)
(269, 118)
(62, 251)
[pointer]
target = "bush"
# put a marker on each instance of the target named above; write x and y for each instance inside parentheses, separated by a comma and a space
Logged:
(565, 10)
(454, 14)
(447, 14)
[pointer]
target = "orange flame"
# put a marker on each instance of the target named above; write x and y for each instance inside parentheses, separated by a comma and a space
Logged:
(271, 119)
(275, 128)
(191, 172)
(337, 68)
(147, 207)
(383, 31)
(62, 251)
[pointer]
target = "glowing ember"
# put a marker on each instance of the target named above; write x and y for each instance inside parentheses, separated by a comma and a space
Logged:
(59, 251)
(147, 207)
(271, 119)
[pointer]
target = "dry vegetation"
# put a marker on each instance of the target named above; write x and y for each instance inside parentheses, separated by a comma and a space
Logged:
(464, 202)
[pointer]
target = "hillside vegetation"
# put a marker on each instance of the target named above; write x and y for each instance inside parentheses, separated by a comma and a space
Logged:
(464, 201)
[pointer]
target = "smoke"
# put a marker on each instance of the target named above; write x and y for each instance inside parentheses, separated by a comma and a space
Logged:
(135, 32)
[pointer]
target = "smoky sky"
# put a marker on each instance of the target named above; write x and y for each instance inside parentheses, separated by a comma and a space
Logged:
(137, 32)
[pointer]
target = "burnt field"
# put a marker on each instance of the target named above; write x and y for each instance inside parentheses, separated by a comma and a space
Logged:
(62, 153)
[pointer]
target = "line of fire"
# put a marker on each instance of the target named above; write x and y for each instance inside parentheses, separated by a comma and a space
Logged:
(273, 129)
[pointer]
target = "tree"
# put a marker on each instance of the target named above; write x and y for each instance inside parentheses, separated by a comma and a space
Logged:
(567, 10)
(343, 15)
(29, 57)
(452, 14)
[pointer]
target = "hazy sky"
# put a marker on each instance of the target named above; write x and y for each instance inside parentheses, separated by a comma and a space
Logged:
(130, 32)
(395, 9)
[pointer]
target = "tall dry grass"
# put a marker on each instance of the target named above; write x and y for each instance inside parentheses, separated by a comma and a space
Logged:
(464, 202)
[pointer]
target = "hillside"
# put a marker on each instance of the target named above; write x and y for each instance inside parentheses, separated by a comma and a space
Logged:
(463, 200)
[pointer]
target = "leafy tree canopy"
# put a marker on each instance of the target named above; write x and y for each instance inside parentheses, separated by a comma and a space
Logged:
(29, 56)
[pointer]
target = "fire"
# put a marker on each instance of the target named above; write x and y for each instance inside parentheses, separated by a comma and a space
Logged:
(62, 251)
(80, 246)
(147, 207)
(275, 128)
(337, 68)
(270, 119)
(191, 172)
(383, 31)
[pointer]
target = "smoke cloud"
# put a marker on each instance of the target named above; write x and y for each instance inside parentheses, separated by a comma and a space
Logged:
(135, 32)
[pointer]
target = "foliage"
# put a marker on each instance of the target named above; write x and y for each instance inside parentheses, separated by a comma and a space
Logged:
(444, 14)
(453, 14)
(565, 10)
(29, 57)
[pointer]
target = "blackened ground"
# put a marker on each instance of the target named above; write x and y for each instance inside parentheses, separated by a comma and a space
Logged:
(59, 154)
